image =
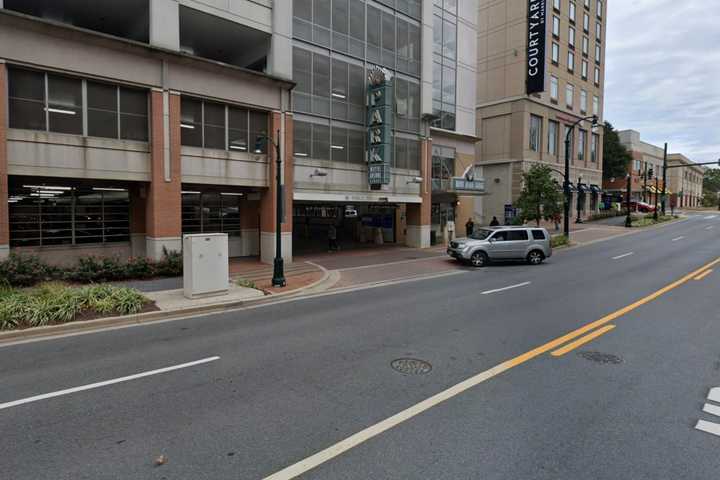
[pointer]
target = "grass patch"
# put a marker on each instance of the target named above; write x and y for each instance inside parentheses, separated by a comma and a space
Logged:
(55, 303)
(560, 241)
(241, 282)
(649, 220)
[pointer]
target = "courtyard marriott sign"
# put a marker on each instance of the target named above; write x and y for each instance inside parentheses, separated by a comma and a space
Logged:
(536, 46)
(380, 117)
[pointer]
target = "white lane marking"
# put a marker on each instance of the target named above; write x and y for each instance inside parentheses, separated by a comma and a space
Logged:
(710, 217)
(709, 227)
(488, 292)
(105, 383)
(623, 256)
(677, 239)
(712, 409)
(714, 395)
(708, 427)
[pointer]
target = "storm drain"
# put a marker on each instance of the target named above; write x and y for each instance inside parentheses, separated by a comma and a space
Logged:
(599, 357)
(411, 366)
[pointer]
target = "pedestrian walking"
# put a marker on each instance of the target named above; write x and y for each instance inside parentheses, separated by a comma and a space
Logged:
(332, 239)
(469, 228)
(556, 219)
(495, 222)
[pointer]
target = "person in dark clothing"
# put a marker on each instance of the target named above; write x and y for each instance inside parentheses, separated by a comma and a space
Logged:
(332, 239)
(494, 222)
(469, 227)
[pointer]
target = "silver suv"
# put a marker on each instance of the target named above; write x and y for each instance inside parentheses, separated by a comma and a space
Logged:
(502, 243)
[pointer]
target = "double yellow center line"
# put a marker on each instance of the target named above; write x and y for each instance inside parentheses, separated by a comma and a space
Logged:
(698, 274)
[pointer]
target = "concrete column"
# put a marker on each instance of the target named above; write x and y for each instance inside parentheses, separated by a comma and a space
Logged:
(164, 24)
(164, 204)
(280, 58)
(418, 214)
(4, 216)
(283, 123)
(138, 219)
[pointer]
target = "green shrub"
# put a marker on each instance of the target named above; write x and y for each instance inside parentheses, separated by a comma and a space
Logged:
(97, 269)
(20, 270)
(140, 268)
(241, 282)
(171, 264)
(559, 241)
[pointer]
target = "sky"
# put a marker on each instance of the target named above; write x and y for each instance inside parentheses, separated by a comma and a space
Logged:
(663, 73)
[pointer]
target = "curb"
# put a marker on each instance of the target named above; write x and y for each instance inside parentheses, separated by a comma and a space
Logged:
(141, 318)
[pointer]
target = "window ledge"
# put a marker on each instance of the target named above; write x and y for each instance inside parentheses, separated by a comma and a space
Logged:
(41, 136)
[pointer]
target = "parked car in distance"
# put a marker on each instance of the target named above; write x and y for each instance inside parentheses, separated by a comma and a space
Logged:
(641, 207)
(502, 243)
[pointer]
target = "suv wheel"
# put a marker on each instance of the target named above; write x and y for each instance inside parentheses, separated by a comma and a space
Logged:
(535, 257)
(479, 259)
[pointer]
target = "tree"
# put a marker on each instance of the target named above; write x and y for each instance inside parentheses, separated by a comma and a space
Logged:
(541, 197)
(711, 187)
(616, 158)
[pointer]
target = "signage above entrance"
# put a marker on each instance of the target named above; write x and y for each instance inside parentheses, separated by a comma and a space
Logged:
(379, 120)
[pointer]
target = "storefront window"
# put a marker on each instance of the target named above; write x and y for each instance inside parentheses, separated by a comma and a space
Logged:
(211, 212)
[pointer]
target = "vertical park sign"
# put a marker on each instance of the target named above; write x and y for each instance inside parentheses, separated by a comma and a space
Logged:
(379, 121)
(536, 35)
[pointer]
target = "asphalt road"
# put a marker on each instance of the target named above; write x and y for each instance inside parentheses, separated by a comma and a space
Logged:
(296, 378)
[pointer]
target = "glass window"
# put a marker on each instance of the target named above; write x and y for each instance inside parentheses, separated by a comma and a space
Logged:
(133, 114)
(102, 106)
(538, 235)
(554, 87)
(340, 10)
(571, 61)
(571, 36)
(556, 4)
(400, 152)
(594, 147)
(585, 45)
(450, 6)
(373, 34)
(321, 142)
(449, 39)
(65, 105)
(598, 31)
(339, 91)
(437, 35)
(584, 69)
(569, 95)
(259, 129)
(448, 85)
(582, 145)
(586, 22)
(517, 235)
(388, 31)
(26, 92)
(321, 13)
(339, 145)
(356, 94)
(211, 213)
(357, 20)
(599, 8)
(596, 105)
(583, 101)
(597, 76)
(321, 84)
(556, 26)
(572, 11)
(301, 139)
(238, 129)
(553, 128)
(598, 53)
(555, 53)
(302, 75)
(356, 146)
(413, 155)
(191, 122)
(303, 9)
(535, 132)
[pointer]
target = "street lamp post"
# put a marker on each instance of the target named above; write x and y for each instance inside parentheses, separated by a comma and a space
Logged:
(278, 279)
(657, 194)
(566, 184)
(579, 213)
(628, 218)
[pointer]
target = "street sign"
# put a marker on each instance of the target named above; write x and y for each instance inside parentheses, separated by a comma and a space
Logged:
(379, 121)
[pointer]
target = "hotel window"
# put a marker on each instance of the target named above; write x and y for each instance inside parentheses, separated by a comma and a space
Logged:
(554, 88)
(594, 148)
(116, 112)
(555, 53)
(637, 166)
(535, 132)
(571, 61)
(587, 3)
(553, 129)
(596, 105)
(556, 27)
(584, 70)
(585, 46)
(572, 12)
(571, 37)
(569, 95)
(582, 144)
(598, 53)
(586, 22)
(556, 5)
(583, 101)
(597, 76)
(599, 8)
(598, 31)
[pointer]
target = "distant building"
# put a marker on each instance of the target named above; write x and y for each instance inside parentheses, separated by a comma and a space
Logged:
(686, 183)
(525, 111)
(647, 159)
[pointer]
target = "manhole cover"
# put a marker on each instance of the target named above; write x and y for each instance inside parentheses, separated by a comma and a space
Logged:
(411, 366)
(599, 357)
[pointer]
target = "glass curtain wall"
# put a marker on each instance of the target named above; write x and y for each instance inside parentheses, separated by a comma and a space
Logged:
(444, 63)
(337, 42)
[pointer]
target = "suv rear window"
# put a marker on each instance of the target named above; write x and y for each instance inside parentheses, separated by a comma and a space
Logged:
(516, 235)
(538, 235)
